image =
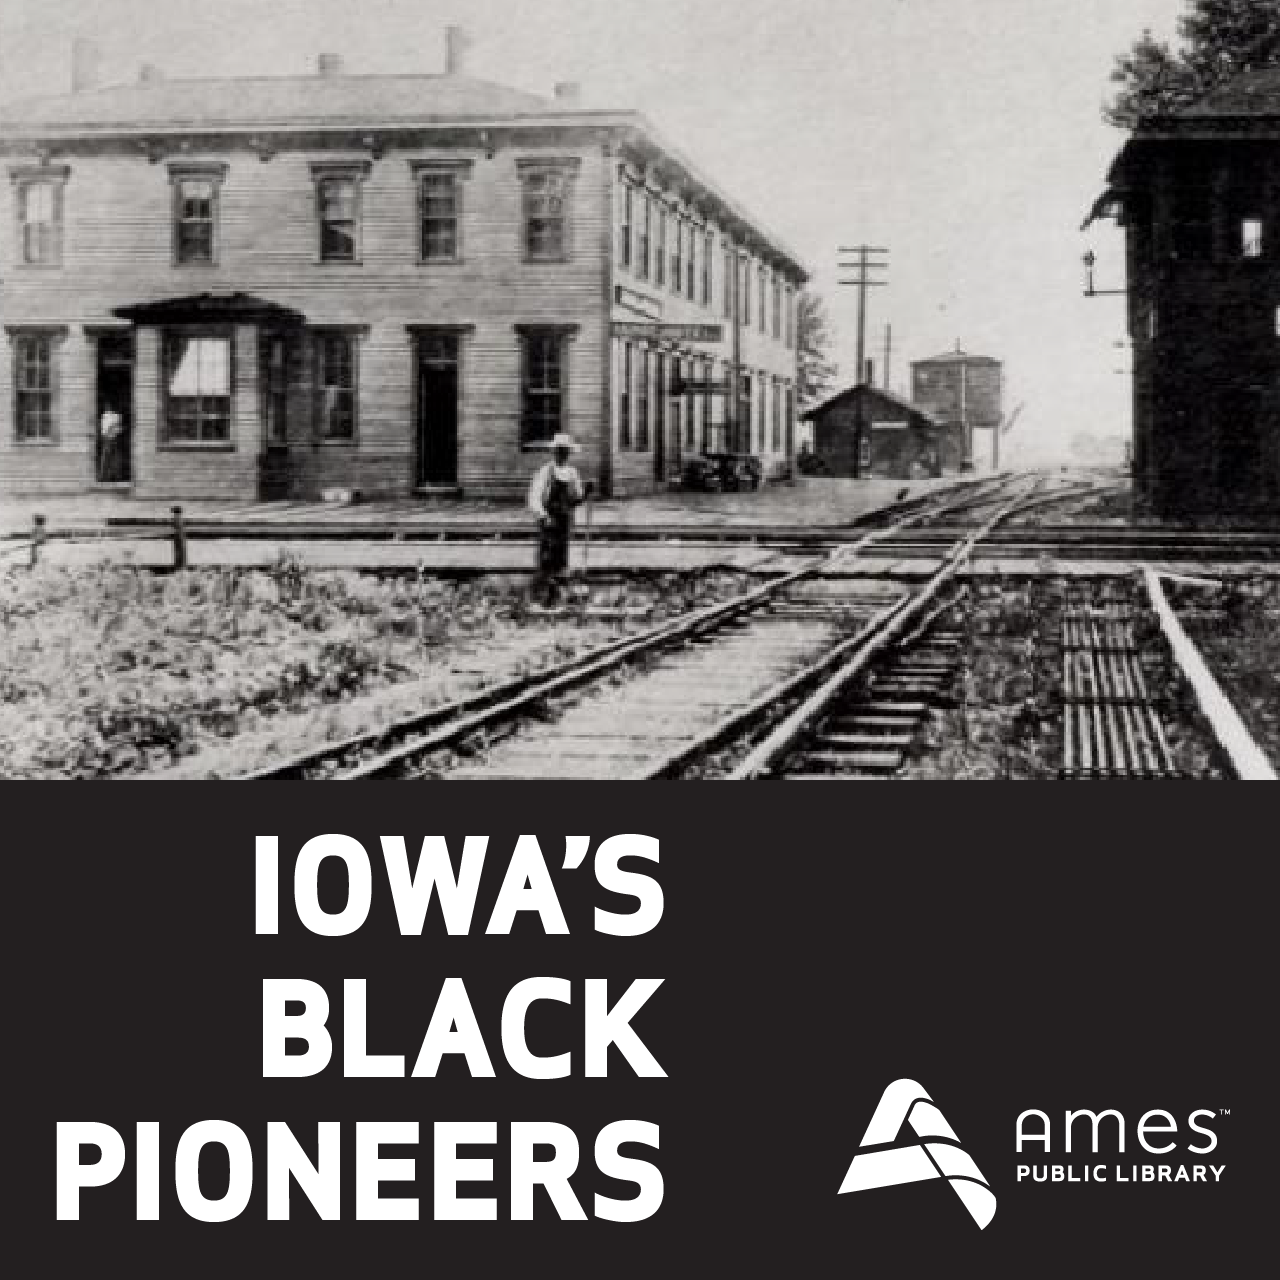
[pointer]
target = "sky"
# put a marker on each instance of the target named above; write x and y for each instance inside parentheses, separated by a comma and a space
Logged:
(963, 135)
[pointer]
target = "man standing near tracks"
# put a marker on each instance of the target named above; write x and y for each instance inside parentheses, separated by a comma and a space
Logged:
(556, 489)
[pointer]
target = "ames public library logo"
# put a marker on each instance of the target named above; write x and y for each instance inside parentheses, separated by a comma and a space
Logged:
(882, 1162)
(885, 1160)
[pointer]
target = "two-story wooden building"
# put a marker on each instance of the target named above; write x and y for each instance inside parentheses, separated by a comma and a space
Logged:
(1198, 192)
(383, 283)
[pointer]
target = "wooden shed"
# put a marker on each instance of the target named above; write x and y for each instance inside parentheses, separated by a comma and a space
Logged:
(868, 431)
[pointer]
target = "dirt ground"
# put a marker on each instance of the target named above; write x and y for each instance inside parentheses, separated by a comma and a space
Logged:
(113, 672)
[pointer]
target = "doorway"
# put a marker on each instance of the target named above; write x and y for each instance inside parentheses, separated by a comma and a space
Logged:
(113, 417)
(275, 374)
(437, 409)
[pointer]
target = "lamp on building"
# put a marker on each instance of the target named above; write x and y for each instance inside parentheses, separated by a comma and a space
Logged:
(1090, 261)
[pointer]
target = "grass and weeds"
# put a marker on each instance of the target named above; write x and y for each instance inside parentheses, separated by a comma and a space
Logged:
(113, 672)
(1236, 626)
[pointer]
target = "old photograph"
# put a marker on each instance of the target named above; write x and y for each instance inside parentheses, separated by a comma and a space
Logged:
(826, 391)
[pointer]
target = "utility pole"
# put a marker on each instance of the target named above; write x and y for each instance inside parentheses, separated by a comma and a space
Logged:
(888, 353)
(869, 263)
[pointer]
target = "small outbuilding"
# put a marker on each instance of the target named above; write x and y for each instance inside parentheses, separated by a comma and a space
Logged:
(868, 431)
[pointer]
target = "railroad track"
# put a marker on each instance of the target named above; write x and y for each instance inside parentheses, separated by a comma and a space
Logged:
(648, 694)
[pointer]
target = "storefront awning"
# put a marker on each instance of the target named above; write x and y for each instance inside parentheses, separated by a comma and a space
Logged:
(212, 308)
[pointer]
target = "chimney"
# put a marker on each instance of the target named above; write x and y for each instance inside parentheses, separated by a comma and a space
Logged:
(86, 65)
(149, 73)
(457, 43)
(329, 64)
(568, 93)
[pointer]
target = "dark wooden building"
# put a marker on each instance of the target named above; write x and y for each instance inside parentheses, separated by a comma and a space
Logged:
(1199, 195)
(867, 431)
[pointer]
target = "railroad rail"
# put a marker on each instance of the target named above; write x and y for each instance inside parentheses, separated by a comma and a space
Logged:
(788, 619)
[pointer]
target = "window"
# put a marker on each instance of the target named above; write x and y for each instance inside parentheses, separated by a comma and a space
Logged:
(624, 234)
(691, 266)
(777, 416)
(642, 401)
(624, 399)
(197, 389)
(789, 421)
(789, 318)
(708, 250)
(1251, 238)
(439, 203)
(677, 251)
(542, 384)
(745, 267)
(194, 222)
(338, 210)
(777, 308)
(195, 212)
(547, 188)
(660, 257)
(761, 294)
(677, 401)
(728, 281)
(39, 204)
(336, 360)
(35, 387)
(646, 227)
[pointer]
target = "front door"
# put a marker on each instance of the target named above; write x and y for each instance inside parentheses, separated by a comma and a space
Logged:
(438, 409)
(273, 477)
(114, 416)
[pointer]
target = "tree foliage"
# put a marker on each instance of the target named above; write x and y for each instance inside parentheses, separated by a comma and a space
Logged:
(1220, 39)
(813, 344)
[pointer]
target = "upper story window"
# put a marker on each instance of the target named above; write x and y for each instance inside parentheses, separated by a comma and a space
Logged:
(760, 278)
(440, 209)
(677, 253)
(691, 267)
(727, 277)
(338, 209)
(547, 192)
(337, 362)
(624, 231)
(39, 210)
(196, 190)
(660, 249)
(789, 317)
(197, 388)
(708, 253)
(1251, 238)
(745, 301)
(777, 309)
(35, 386)
(646, 231)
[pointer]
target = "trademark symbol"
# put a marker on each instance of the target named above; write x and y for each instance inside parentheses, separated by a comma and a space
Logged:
(1224, 1111)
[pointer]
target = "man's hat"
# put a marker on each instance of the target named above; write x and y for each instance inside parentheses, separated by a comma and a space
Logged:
(563, 440)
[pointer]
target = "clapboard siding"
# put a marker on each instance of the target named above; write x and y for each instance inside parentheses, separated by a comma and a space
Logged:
(117, 250)
(759, 353)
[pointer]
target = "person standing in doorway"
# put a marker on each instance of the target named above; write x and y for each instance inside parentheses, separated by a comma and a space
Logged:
(555, 491)
(110, 434)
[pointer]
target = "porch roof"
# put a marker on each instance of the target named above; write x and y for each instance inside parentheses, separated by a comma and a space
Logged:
(211, 308)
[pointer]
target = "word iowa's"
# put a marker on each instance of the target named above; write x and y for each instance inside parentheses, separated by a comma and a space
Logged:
(527, 884)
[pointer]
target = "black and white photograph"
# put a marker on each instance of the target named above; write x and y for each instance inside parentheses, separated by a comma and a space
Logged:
(823, 391)
(570, 393)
